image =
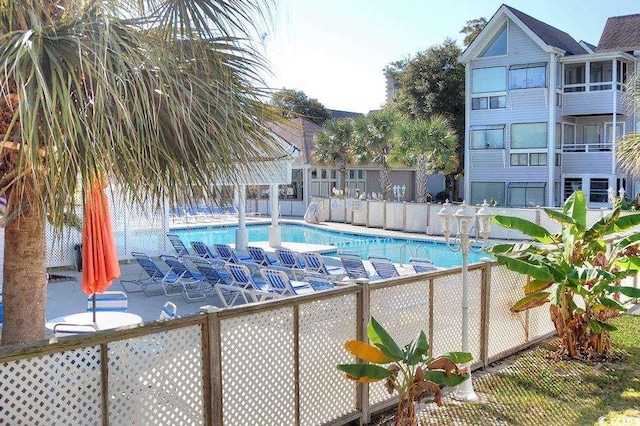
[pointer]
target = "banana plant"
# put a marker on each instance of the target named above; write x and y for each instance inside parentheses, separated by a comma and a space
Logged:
(408, 371)
(575, 272)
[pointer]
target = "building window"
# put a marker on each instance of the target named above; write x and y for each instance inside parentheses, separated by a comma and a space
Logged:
(481, 191)
(538, 159)
(600, 72)
(484, 80)
(527, 76)
(526, 194)
(598, 190)
(489, 102)
(621, 75)
(519, 160)
(487, 137)
(528, 136)
(591, 134)
(558, 159)
(498, 45)
(574, 78)
(571, 185)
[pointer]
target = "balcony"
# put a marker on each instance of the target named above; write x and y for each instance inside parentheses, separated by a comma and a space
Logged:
(588, 147)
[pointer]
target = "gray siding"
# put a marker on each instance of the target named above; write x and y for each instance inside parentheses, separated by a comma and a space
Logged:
(596, 162)
(598, 102)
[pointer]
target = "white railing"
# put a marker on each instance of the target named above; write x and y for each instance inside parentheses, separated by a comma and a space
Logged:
(270, 364)
(587, 147)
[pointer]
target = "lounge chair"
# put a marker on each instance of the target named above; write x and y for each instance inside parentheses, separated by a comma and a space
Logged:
(353, 266)
(248, 285)
(109, 301)
(168, 311)
(260, 256)
(283, 286)
(319, 282)
(187, 282)
(178, 245)
(422, 265)
(218, 278)
(203, 250)
(226, 253)
(151, 274)
(289, 258)
(384, 267)
(314, 262)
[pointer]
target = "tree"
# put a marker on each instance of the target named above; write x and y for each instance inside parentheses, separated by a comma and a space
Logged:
(472, 28)
(628, 148)
(294, 103)
(373, 143)
(433, 84)
(579, 271)
(93, 89)
(430, 146)
(333, 147)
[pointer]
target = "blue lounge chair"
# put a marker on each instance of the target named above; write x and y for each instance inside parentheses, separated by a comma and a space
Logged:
(178, 245)
(260, 256)
(168, 311)
(283, 286)
(109, 301)
(187, 282)
(319, 282)
(151, 273)
(226, 253)
(249, 286)
(203, 250)
(384, 267)
(353, 266)
(314, 262)
(422, 265)
(289, 258)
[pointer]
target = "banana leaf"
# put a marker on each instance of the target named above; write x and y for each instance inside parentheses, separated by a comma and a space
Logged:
(516, 265)
(526, 227)
(563, 218)
(417, 349)
(627, 291)
(537, 285)
(531, 301)
(611, 304)
(441, 378)
(626, 242)
(380, 338)
(602, 226)
(458, 357)
(576, 207)
(364, 373)
(366, 352)
(625, 222)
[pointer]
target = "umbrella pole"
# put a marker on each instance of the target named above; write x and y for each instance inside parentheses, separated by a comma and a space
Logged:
(93, 302)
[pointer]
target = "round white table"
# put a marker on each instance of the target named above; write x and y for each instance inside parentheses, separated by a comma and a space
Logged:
(104, 320)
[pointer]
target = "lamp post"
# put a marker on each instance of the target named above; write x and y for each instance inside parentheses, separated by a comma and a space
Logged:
(611, 196)
(461, 243)
(399, 191)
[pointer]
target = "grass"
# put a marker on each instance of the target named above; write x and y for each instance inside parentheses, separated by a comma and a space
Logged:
(529, 389)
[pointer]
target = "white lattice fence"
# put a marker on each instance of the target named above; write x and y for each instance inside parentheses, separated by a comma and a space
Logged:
(403, 310)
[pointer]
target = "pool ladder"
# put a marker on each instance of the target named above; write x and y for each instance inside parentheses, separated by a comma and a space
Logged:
(404, 248)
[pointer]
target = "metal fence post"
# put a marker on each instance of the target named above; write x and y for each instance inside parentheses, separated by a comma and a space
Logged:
(212, 366)
(485, 303)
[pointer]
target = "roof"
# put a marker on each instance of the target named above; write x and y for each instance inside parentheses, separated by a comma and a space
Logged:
(620, 34)
(338, 115)
(300, 133)
(550, 35)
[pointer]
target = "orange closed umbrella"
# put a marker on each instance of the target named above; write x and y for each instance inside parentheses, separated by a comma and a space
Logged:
(99, 255)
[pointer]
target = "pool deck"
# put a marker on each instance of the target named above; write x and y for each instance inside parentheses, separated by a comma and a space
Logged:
(65, 296)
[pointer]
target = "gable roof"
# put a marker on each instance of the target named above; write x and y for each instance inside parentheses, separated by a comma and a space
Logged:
(620, 34)
(300, 133)
(549, 38)
(338, 114)
(550, 35)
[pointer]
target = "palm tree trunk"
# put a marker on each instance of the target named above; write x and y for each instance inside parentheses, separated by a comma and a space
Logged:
(385, 181)
(421, 179)
(25, 289)
(343, 180)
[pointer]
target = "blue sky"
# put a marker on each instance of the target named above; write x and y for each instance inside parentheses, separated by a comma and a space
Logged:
(335, 50)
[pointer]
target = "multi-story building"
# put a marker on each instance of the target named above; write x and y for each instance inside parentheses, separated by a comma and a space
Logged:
(543, 111)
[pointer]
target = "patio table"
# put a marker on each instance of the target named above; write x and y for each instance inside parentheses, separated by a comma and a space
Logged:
(104, 320)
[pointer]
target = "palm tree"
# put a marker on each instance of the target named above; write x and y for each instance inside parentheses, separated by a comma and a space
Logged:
(628, 148)
(430, 146)
(158, 95)
(374, 142)
(333, 147)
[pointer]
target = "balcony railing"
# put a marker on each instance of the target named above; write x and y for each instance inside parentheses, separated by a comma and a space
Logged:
(587, 147)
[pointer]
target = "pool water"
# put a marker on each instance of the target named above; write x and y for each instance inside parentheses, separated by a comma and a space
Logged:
(399, 250)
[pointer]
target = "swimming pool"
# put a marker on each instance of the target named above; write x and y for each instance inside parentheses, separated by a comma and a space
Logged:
(397, 249)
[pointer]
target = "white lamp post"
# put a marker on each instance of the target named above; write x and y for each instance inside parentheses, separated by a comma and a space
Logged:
(462, 243)
(399, 191)
(611, 195)
(621, 192)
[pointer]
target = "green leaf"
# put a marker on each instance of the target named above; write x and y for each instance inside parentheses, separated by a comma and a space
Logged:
(627, 291)
(610, 303)
(526, 227)
(603, 226)
(531, 301)
(562, 218)
(365, 372)
(417, 349)
(595, 326)
(608, 327)
(458, 357)
(380, 338)
(441, 378)
(537, 272)
(576, 207)
(626, 241)
(537, 285)
(626, 222)
(632, 263)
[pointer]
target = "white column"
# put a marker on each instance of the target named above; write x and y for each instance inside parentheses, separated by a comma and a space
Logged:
(614, 135)
(275, 234)
(241, 234)
(551, 132)
(466, 137)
